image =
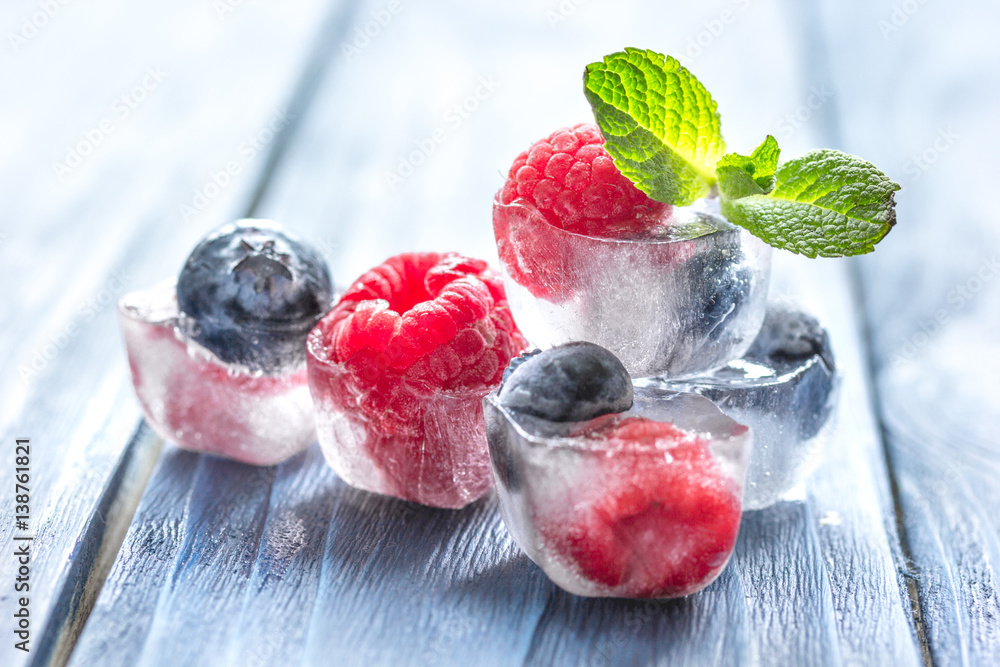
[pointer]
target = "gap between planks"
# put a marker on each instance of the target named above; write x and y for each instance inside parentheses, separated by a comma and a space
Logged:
(818, 61)
(99, 548)
(106, 532)
(912, 589)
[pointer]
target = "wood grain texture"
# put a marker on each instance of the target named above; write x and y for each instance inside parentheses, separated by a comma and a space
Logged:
(289, 565)
(932, 295)
(70, 247)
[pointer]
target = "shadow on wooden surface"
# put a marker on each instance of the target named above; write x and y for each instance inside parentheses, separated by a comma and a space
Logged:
(333, 574)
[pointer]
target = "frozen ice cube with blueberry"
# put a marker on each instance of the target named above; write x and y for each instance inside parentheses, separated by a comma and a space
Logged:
(614, 491)
(785, 389)
(587, 256)
(218, 356)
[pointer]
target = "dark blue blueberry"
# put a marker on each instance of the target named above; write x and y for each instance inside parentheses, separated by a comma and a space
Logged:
(788, 336)
(517, 361)
(792, 342)
(726, 283)
(572, 382)
(250, 292)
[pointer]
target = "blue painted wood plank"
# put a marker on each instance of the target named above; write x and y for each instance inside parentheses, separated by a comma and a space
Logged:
(429, 584)
(378, 581)
(127, 603)
(225, 514)
(930, 295)
(70, 247)
(282, 589)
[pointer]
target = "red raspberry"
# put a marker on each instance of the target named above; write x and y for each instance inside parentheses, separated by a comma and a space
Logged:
(418, 324)
(572, 183)
(572, 180)
(665, 522)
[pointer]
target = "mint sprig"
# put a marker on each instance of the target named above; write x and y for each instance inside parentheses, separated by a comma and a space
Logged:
(660, 124)
(662, 129)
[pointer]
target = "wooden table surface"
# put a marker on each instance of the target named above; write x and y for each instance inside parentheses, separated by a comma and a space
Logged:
(130, 129)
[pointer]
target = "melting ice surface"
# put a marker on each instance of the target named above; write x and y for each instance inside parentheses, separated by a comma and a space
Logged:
(195, 400)
(684, 299)
(611, 515)
(784, 388)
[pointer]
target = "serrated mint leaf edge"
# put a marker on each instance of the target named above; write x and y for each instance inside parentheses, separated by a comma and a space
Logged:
(836, 234)
(790, 175)
(765, 157)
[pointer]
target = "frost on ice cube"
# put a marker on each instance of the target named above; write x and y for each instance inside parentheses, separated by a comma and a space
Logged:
(784, 388)
(685, 300)
(192, 398)
(640, 504)
(436, 456)
(398, 370)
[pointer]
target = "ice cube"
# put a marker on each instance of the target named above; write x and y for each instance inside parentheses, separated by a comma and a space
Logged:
(685, 300)
(192, 398)
(784, 388)
(434, 454)
(642, 504)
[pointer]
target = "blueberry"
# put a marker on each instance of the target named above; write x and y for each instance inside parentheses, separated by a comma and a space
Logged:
(789, 336)
(250, 292)
(787, 341)
(572, 382)
(517, 361)
(727, 285)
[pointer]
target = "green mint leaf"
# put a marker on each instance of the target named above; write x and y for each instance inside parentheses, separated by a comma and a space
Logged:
(742, 176)
(765, 160)
(825, 203)
(736, 180)
(660, 124)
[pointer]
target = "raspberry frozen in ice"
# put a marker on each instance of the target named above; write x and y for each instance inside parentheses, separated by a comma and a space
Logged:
(615, 491)
(218, 356)
(586, 255)
(398, 370)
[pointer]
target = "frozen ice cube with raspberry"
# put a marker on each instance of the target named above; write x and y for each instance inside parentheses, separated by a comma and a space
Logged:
(218, 356)
(398, 370)
(785, 389)
(615, 491)
(587, 256)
